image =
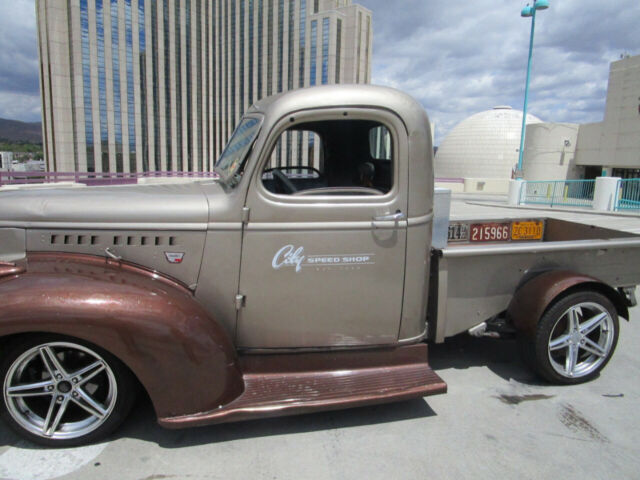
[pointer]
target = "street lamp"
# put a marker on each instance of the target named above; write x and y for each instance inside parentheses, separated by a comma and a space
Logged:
(528, 12)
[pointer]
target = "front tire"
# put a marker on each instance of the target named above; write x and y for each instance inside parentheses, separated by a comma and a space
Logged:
(63, 392)
(575, 338)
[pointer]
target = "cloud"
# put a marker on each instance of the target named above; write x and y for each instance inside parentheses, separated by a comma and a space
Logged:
(459, 58)
(20, 106)
(19, 80)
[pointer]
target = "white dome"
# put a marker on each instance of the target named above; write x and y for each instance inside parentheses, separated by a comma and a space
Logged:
(485, 145)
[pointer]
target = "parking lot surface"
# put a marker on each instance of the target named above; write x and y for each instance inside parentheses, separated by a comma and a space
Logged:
(497, 421)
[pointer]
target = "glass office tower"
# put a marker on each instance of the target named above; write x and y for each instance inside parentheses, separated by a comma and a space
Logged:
(158, 85)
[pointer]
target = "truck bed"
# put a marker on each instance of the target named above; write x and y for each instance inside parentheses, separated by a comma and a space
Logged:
(475, 281)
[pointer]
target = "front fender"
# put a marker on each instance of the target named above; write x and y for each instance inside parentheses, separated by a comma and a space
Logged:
(182, 357)
(533, 298)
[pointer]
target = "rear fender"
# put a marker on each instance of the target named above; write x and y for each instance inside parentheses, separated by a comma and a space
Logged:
(182, 357)
(533, 298)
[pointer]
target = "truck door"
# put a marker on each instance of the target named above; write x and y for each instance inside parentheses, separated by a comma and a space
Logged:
(323, 254)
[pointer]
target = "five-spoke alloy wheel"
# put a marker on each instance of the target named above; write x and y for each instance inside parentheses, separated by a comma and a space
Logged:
(575, 338)
(63, 392)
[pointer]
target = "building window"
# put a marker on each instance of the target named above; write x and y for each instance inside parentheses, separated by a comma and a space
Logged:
(366, 57)
(358, 42)
(197, 92)
(86, 86)
(338, 48)
(232, 66)
(156, 87)
(102, 87)
(325, 50)
(303, 25)
(270, 48)
(142, 47)
(130, 93)
(312, 61)
(242, 60)
(260, 43)
(188, 131)
(177, 75)
(250, 72)
(167, 87)
(117, 101)
(292, 6)
(280, 42)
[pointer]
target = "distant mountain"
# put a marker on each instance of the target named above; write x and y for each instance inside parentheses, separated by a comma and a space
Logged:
(15, 131)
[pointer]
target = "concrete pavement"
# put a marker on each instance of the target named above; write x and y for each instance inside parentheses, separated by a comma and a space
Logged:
(487, 207)
(496, 421)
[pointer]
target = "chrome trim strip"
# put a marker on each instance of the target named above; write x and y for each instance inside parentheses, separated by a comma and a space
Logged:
(421, 220)
(213, 226)
(73, 225)
(259, 350)
(529, 247)
(353, 225)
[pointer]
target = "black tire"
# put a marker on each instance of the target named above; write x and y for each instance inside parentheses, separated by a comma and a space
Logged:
(574, 339)
(43, 375)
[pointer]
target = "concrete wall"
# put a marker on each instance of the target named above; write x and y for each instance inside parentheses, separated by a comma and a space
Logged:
(621, 126)
(615, 142)
(549, 152)
(589, 141)
(486, 185)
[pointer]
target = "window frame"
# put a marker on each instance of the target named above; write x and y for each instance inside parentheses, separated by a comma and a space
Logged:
(386, 118)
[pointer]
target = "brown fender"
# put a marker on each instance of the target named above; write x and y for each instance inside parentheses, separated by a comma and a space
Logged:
(533, 298)
(182, 357)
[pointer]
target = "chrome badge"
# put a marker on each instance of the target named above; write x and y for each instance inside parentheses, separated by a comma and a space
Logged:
(174, 257)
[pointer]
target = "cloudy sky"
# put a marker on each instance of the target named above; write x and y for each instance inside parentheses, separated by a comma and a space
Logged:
(458, 57)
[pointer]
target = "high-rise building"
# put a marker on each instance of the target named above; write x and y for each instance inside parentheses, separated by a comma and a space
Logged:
(157, 85)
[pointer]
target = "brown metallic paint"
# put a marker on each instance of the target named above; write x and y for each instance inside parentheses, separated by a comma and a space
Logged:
(532, 299)
(182, 357)
(278, 385)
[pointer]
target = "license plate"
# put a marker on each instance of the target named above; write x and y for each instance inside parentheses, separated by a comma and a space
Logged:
(531, 230)
(458, 232)
(490, 232)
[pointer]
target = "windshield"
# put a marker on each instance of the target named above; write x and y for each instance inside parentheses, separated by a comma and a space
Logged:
(230, 162)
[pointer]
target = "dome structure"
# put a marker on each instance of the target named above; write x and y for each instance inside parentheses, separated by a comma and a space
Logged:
(485, 145)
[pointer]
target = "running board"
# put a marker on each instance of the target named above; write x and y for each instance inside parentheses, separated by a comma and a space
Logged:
(291, 384)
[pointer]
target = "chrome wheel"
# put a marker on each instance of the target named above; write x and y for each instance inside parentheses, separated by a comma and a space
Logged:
(582, 339)
(60, 390)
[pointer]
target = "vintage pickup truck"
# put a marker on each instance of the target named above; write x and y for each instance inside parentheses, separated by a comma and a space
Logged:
(303, 278)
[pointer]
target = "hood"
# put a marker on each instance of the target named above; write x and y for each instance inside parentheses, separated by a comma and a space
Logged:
(176, 206)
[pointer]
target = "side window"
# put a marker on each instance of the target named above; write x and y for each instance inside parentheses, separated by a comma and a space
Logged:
(331, 157)
(380, 143)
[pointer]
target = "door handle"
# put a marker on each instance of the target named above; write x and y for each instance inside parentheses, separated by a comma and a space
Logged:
(392, 217)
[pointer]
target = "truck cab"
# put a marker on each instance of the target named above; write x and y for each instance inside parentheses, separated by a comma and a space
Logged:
(335, 185)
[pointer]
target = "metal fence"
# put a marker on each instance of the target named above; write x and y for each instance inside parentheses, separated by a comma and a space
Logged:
(92, 178)
(628, 194)
(573, 193)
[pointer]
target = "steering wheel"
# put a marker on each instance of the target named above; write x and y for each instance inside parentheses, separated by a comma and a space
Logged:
(283, 182)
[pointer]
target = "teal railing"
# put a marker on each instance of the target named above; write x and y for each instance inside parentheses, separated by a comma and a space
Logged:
(572, 193)
(628, 195)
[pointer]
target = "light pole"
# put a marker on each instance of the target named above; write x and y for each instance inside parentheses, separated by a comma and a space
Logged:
(528, 12)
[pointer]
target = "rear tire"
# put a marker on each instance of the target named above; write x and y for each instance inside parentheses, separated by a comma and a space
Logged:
(574, 340)
(61, 392)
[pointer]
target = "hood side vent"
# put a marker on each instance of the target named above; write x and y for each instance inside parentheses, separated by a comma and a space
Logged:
(116, 240)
